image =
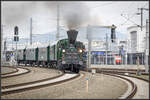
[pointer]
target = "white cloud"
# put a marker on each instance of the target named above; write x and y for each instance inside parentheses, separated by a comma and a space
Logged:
(44, 19)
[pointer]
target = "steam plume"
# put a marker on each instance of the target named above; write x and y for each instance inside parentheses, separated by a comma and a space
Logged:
(75, 15)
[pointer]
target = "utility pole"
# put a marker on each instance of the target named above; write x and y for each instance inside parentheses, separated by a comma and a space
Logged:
(89, 45)
(57, 34)
(16, 39)
(141, 13)
(5, 46)
(106, 47)
(147, 38)
(31, 31)
(16, 55)
(147, 46)
(126, 54)
(2, 47)
(141, 18)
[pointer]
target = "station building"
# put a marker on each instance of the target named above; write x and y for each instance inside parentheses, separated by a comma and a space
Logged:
(99, 53)
(136, 44)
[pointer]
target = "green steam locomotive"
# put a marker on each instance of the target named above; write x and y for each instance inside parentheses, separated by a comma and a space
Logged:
(66, 54)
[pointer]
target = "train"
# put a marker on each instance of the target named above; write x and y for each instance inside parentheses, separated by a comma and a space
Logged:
(66, 54)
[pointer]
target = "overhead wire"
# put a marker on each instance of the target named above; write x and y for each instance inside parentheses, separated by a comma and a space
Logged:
(129, 19)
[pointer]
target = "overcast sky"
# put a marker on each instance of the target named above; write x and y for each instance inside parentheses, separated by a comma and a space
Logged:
(84, 13)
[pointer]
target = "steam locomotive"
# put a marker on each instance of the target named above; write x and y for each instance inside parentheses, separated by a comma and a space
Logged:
(66, 54)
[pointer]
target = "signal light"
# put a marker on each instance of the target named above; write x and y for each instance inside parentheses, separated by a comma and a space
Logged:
(80, 50)
(16, 38)
(63, 50)
(113, 34)
(16, 30)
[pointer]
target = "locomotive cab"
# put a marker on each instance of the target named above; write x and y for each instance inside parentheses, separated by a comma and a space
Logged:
(71, 59)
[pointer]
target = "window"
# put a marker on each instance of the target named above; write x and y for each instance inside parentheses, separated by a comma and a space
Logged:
(133, 41)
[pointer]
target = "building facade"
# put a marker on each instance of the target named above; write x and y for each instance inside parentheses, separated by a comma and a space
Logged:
(136, 44)
(136, 39)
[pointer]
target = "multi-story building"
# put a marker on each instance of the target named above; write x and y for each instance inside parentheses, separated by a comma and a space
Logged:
(136, 38)
(136, 44)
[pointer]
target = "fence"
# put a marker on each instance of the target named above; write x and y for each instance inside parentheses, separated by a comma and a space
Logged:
(111, 59)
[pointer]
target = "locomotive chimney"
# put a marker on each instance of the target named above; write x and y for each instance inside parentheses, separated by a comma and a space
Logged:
(72, 35)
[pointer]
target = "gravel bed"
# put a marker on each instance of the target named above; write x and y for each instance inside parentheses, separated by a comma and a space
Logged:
(99, 87)
(35, 74)
(140, 76)
(7, 70)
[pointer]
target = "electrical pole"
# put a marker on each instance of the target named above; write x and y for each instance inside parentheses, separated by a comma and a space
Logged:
(106, 47)
(2, 47)
(147, 47)
(31, 31)
(57, 34)
(147, 38)
(16, 55)
(5, 46)
(126, 54)
(89, 45)
(16, 39)
(142, 16)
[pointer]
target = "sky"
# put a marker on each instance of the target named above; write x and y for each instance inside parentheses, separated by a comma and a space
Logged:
(72, 14)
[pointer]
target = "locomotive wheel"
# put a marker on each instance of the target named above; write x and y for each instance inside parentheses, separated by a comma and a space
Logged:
(72, 68)
(77, 70)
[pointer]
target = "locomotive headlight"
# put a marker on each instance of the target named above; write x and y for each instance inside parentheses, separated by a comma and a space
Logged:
(63, 62)
(80, 50)
(80, 62)
(63, 50)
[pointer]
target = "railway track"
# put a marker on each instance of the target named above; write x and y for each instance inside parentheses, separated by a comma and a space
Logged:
(131, 92)
(19, 71)
(38, 84)
(135, 82)
(142, 91)
(16, 70)
(122, 71)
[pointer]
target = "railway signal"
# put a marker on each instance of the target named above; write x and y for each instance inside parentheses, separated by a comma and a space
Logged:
(113, 34)
(16, 39)
(16, 30)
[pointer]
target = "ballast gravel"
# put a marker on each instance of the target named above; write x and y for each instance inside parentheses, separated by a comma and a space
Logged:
(99, 87)
(36, 73)
(7, 70)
